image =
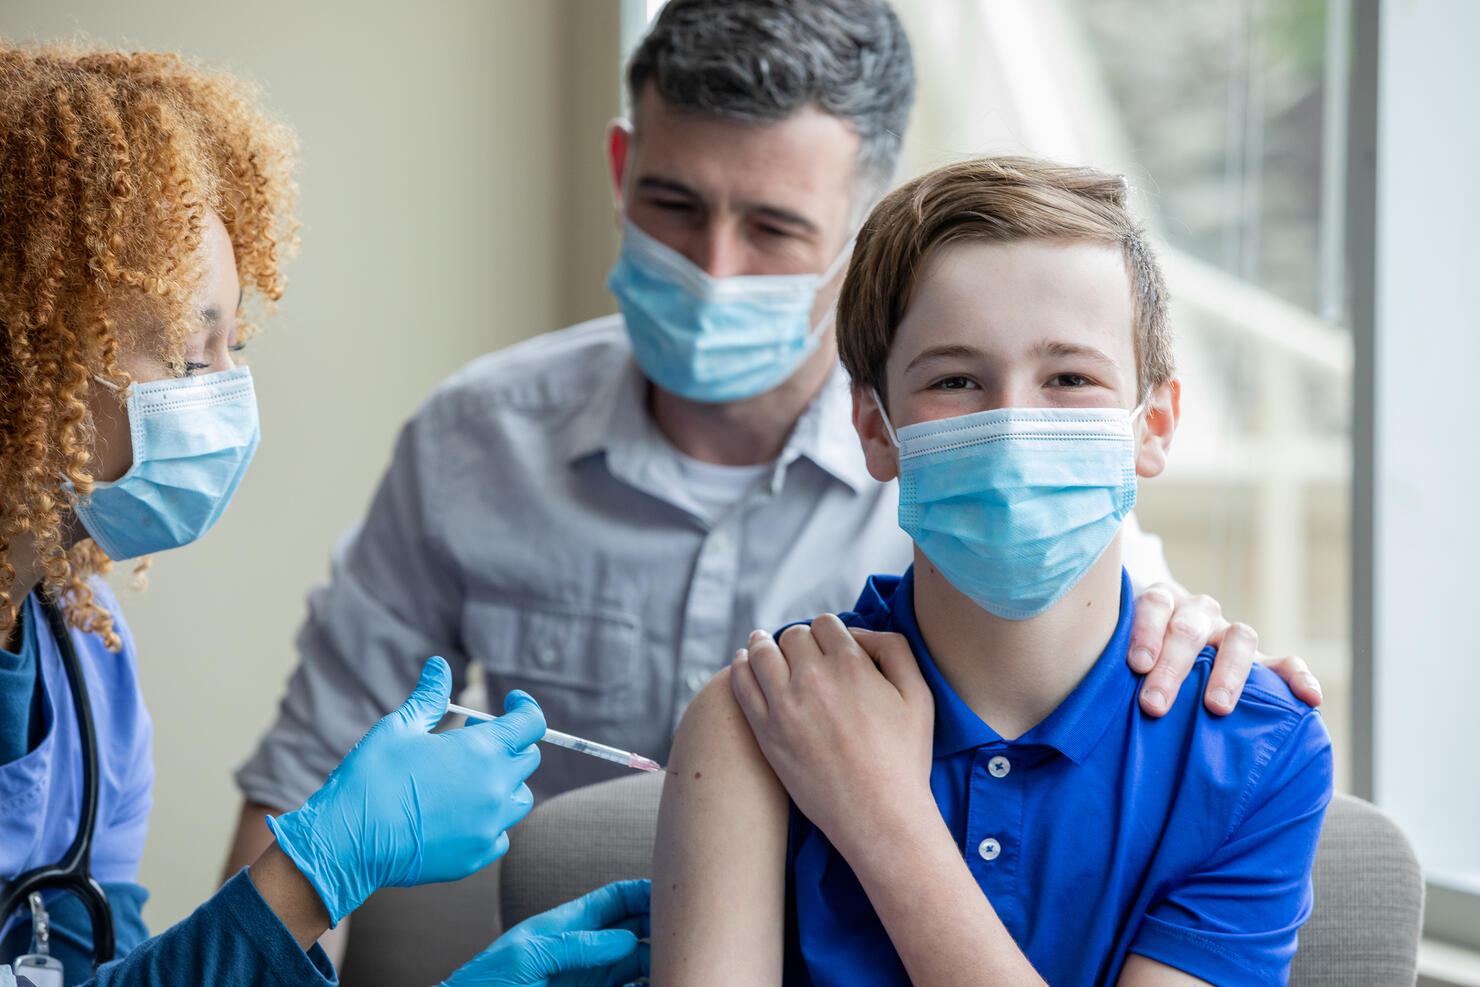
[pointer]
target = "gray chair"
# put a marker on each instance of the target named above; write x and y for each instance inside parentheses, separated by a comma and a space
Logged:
(1364, 929)
(1368, 913)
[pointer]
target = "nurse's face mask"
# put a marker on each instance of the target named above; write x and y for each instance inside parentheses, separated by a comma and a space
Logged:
(714, 339)
(193, 439)
(1014, 505)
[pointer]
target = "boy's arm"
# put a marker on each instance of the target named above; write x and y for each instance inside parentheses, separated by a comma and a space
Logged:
(1234, 920)
(870, 795)
(1142, 972)
(719, 877)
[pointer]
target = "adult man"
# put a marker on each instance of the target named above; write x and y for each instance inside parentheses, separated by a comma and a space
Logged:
(600, 515)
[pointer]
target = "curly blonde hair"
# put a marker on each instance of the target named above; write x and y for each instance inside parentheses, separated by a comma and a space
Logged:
(109, 164)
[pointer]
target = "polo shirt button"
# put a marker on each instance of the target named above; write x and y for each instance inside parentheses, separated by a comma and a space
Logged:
(695, 680)
(999, 766)
(546, 656)
(989, 848)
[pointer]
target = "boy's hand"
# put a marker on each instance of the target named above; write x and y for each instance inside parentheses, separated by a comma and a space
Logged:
(1172, 626)
(846, 721)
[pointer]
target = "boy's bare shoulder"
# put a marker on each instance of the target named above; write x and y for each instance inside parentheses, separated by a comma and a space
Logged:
(714, 738)
(714, 717)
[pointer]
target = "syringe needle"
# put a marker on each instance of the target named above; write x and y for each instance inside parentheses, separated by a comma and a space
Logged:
(578, 744)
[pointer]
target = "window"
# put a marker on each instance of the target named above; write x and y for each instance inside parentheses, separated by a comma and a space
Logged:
(1417, 540)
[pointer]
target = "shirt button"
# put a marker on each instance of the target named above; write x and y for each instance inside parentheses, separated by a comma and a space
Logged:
(989, 848)
(719, 541)
(999, 766)
(695, 681)
(546, 656)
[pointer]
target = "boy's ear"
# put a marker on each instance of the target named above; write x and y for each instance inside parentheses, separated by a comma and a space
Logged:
(878, 452)
(618, 147)
(1159, 424)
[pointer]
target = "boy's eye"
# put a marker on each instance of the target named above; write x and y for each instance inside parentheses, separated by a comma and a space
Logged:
(191, 367)
(1069, 380)
(955, 383)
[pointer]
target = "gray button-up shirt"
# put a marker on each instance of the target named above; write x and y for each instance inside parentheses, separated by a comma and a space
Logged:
(535, 521)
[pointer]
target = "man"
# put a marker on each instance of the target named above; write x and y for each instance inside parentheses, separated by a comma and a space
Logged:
(600, 515)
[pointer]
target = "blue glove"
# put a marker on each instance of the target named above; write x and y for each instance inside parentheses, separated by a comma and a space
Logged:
(589, 942)
(411, 807)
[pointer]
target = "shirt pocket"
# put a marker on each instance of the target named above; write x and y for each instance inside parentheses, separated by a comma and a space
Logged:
(580, 665)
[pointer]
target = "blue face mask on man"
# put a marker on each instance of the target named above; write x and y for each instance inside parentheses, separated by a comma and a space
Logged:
(714, 339)
(193, 439)
(1014, 505)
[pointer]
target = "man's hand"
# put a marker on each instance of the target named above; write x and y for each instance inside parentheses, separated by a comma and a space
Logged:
(846, 721)
(589, 942)
(1172, 626)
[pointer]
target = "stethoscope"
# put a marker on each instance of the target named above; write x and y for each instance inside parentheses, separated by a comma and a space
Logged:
(70, 873)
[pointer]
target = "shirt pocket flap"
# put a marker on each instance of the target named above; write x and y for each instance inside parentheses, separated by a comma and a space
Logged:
(580, 665)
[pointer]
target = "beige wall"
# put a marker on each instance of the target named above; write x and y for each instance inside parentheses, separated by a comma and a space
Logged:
(453, 201)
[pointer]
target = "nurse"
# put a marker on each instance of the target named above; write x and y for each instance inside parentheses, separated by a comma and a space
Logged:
(141, 200)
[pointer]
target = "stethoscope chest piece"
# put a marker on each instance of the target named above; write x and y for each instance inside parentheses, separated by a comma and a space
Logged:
(40, 968)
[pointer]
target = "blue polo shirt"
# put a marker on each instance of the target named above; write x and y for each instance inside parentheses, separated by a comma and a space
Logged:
(1101, 831)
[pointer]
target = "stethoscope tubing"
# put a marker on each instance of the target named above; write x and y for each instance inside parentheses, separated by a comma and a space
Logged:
(71, 873)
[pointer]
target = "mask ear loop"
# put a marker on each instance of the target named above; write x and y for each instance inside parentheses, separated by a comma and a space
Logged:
(888, 426)
(839, 263)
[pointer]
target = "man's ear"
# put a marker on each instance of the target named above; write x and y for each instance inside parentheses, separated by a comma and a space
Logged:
(1163, 410)
(878, 452)
(619, 139)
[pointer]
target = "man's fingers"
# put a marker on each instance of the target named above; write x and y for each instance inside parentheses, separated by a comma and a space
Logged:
(1186, 634)
(1236, 650)
(1297, 676)
(1153, 609)
(1188, 631)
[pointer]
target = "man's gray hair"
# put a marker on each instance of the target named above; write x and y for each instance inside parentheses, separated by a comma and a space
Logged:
(765, 59)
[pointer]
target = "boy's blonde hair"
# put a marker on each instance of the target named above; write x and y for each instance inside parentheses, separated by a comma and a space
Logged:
(1000, 199)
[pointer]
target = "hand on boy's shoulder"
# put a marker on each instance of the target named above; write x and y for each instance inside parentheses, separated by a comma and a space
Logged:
(1170, 630)
(845, 719)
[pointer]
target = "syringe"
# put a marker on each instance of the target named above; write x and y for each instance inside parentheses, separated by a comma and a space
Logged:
(578, 744)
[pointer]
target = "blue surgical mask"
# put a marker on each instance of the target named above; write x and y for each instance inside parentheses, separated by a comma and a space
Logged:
(193, 439)
(714, 339)
(1014, 505)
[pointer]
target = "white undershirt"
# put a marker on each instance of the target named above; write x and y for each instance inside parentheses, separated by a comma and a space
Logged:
(716, 487)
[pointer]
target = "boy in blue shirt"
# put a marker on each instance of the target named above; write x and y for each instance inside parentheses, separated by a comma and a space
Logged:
(979, 800)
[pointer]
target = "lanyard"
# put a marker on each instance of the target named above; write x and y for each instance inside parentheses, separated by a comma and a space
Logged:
(71, 872)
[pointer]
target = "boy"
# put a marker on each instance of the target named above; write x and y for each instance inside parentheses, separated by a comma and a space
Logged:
(991, 807)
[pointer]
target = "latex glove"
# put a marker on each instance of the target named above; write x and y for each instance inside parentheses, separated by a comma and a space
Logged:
(589, 942)
(407, 806)
(1172, 626)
